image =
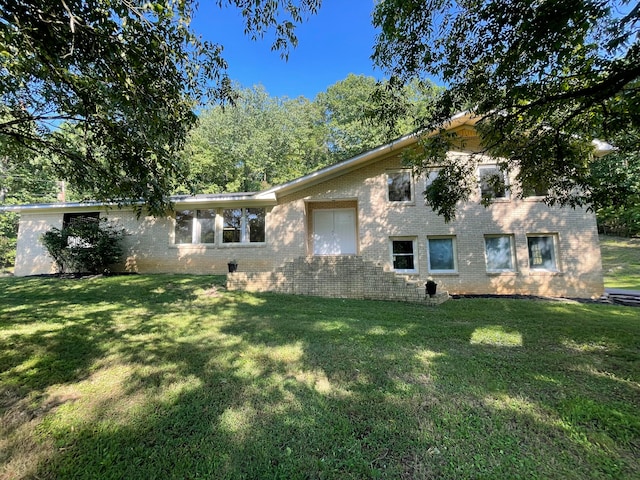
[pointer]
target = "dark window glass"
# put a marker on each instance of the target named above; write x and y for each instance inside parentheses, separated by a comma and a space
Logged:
(232, 226)
(399, 187)
(207, 221)
(255, 224)
(492, 183)
(184, 226)
(403, 255)
(541, 253)
(499, 253)
(69, 218)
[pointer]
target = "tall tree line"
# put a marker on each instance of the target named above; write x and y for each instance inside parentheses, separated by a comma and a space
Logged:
(262, 141)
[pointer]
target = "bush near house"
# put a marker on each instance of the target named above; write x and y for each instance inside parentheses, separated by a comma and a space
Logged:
(85, 245)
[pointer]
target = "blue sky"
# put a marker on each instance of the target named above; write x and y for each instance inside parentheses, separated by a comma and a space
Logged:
(331, 44)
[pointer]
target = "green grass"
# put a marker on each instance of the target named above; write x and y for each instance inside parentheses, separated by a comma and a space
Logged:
(171, 377)
(620, 262)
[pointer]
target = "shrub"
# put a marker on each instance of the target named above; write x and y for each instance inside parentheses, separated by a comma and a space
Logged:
(8, 238)
(85, 245)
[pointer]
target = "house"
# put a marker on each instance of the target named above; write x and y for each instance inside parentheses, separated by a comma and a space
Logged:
(359, 228)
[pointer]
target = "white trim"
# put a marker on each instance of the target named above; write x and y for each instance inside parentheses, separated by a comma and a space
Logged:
(414, 253)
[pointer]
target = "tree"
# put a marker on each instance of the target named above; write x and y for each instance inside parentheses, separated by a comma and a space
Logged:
(27, 181)
(544, 77)
(345, 106)
(357, 112)
(615, 187)
(258, 142)
(124, 77)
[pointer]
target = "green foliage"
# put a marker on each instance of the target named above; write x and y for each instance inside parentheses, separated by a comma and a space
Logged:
(615, 187)
(345, 105)
(258, 142)
(29, 180)
(85, 245)
(357, 111)
(544, 77)
(108, 88)
(261, 140)
(8, 238)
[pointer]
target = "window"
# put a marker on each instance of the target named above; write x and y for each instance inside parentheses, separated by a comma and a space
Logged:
(537, 188)
(195, 226)
(542, 252)
(442, 254)
(493, 182)
(400, 189)
(499, 253)
(244, 225)
(431, 176)
(403, 254)
(69, 218)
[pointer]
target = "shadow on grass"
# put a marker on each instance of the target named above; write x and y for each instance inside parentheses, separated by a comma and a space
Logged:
(172, 382)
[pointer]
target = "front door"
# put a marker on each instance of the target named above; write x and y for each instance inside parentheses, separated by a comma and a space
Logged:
(334, 232)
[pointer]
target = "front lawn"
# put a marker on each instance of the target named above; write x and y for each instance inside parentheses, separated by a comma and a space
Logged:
(620, 262)
(171, 377)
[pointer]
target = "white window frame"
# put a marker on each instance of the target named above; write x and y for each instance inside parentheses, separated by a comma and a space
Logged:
(454, 254)
(408, 172)
(414, 254)
(196, 226)
(507, 189)
(555, 257)
(512, 253)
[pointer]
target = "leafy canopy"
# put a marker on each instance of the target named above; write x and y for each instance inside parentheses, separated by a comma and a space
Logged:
(545, 77)
(123, 79)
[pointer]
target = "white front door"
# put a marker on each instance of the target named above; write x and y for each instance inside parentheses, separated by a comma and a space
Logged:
(334, 232)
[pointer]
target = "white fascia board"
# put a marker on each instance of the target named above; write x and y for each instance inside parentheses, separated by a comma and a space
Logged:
(215, 200)
(227, 200)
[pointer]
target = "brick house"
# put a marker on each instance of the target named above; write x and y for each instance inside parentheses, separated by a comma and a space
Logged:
(359, 228)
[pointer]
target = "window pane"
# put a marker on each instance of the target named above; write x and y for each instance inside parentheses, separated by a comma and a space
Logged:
(499, 253)
(184, 226)
(541, 253)
(232, 225)
(539, 188)
(399, 187)
(441, 254)
(403, 255)
(433, 174)
(492, 183)
(403, 246)
(207, 220)
(255, 224)
(69, 218)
